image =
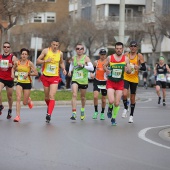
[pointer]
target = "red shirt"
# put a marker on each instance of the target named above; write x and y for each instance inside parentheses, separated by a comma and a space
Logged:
(5, 70)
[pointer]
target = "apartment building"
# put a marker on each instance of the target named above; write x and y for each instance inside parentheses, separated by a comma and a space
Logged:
(106, 12)
(39, 24)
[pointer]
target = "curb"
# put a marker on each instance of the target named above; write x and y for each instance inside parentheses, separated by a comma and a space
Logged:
(61, 103)
(165, 134)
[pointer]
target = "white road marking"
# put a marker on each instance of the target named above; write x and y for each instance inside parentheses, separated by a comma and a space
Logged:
(142, 135)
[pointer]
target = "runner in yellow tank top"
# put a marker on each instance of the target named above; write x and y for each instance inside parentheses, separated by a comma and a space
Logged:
(52, 60)
(131, 80)
(25, 69)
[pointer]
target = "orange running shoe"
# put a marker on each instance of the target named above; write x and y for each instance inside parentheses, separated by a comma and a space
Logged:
(17, 119)
(30, 103)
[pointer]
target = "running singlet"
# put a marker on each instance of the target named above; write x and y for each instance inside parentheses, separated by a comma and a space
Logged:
(22, 71)
(117, 69)
(100, 72)
(133, 76)
(5, 70)
(80, 75)
(51, 68)
(161, 73)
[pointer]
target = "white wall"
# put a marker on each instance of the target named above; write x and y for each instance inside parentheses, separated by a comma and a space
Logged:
(130, 2)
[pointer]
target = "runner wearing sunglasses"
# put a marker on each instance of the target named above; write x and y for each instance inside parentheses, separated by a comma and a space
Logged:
(6, 63)
(131, 80)
(80, 66)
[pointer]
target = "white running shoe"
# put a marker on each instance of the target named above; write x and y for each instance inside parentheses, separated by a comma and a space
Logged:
(124, 114)
(131, 119)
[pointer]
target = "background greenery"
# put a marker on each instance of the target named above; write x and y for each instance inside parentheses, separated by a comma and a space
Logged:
(37, 95)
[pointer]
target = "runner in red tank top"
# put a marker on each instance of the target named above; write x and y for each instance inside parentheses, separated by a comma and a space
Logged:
(6, 63)
(118, 64)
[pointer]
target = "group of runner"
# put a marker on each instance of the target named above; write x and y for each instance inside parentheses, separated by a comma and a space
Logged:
(114, 76)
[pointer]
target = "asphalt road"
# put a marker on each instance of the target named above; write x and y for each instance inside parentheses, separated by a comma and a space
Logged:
(90, 144)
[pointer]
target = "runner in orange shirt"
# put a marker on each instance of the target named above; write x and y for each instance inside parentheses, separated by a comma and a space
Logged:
(99, 84)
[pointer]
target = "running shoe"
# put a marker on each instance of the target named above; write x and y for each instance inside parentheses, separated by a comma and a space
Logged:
(48, 118)
(164, 104)
(30, 103)
(1, 108)
(159, 100)
(131, 119)
(17, 119)
(102, 117)
(109, 113)
(124, 114)
(82, 116)
(9, 115)
(113, 122)
(95, 115)
(73, 117)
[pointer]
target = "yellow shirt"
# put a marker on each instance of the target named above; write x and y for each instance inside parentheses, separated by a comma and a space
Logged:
(52, 68)
(22, 71)
(133, 76)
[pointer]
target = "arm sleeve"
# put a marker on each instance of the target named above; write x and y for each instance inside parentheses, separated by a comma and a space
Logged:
(71, 67)
(143, 67)
(89, 66)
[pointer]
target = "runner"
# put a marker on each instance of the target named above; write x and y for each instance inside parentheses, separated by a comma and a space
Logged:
(80, 65)
(131, 80)
(6, 63)
(52, 60)
(25, 69)
(99, 84)
(145, 76)
(118, 64)
(160, 72)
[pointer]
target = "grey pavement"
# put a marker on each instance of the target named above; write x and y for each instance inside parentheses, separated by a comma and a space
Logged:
(90, 144)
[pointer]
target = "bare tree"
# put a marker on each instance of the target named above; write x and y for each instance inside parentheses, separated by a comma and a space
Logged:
(11, 11)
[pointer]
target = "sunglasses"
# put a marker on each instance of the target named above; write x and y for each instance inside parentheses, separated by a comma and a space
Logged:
(79, 48)
(6, 46)
(133, 46)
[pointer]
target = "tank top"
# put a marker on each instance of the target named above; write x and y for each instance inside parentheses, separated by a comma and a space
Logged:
(5, 70)
(100, 72)
(23, 69)
(80, 75)
(161, 73)
(117, 69)
(51, 68)
(133, 76)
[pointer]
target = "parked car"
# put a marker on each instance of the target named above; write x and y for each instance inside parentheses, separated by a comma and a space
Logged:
(152, 80)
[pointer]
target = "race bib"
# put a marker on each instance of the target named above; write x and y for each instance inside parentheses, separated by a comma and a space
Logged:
(116, 73)
(161, 76)
(21, 76)
(4, 63)
(132, 66)
(101, 86)
(79, 74)
(51, 68)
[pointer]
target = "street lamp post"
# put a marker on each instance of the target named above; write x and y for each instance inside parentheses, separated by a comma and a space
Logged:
(122, 21)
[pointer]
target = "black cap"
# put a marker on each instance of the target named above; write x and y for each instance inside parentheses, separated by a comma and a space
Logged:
(102, 51)
(133, 43)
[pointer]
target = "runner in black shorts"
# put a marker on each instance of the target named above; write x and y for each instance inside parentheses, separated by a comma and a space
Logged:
(160, 72)
(7, 60)
(99, 84)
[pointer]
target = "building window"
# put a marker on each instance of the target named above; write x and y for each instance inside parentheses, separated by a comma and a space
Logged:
(45, 17)
(37, 19)
(50, 17)
(44, 0)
